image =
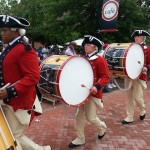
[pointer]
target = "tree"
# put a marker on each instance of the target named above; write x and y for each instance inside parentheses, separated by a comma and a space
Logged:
(60, 21)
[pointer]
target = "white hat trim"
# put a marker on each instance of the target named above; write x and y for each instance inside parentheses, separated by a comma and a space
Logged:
(92, 37)
(6, 19)
(140, 31)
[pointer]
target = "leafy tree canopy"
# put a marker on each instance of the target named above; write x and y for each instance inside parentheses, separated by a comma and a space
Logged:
(60, 21)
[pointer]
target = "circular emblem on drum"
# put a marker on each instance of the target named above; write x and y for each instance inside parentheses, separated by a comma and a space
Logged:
(110, 10)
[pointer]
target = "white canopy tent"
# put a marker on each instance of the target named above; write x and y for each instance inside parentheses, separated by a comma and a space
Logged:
(78, 42)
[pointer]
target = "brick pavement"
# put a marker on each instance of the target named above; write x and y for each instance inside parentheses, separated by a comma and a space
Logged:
(57, 129)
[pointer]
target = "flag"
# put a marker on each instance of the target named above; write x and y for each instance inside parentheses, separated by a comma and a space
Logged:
(109, 16)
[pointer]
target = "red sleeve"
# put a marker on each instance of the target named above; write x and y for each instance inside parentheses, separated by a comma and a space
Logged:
(148, 57)
(103, 75)
(28, 63)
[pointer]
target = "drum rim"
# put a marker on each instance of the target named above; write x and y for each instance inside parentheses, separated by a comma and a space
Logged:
(57, 80)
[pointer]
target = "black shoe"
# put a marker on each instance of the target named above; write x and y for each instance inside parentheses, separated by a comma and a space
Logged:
(71, 145)
(106, 91)
(101, 136)
(142, 117)
(126, 122)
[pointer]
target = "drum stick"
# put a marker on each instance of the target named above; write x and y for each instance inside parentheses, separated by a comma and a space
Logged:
(83, 85)
(8, 84)
(139, 62)
(5, 86)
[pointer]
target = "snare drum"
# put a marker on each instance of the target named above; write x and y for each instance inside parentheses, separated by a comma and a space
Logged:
(7, 141)
(125, 59)
(62, 77)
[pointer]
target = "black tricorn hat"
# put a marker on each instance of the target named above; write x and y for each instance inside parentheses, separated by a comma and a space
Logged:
(7, 21)
(140, 33)
(92, 40)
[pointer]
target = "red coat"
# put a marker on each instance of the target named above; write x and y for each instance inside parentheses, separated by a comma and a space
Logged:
(101, 74)
(19, 64)
(147, 62)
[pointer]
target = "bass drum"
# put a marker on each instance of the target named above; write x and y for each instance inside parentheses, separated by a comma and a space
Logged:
(125, 59)
(7, 141)
(62, 77)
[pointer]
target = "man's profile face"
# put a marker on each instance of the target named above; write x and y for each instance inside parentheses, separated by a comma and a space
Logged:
(7, 35)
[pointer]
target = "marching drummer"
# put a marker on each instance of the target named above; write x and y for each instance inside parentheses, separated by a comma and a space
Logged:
(19, 73)
(89, 110)
(135, 92)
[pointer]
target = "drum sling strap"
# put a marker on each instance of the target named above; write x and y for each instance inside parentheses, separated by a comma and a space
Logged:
(70, 111)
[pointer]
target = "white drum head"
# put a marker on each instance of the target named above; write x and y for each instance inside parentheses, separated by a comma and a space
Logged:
(134, 61)
(75, 72)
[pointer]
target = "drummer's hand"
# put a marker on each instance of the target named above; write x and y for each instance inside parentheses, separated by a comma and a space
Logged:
(3, 94)
(144, 70)
(93, 90)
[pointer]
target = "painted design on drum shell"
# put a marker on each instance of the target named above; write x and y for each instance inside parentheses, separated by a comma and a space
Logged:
(114, 57)
(48, 78)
